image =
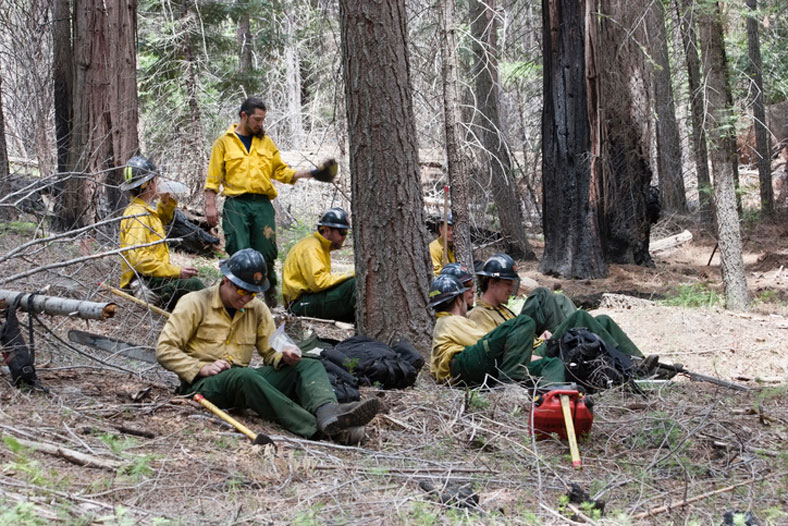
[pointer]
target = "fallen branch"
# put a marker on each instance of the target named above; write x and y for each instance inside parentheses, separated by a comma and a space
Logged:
(134, 299)
(54, 305)
(670, 242)
(75, 457)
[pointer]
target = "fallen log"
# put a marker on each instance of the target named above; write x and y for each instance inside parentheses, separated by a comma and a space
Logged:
(75, 457)
(57, 306)
(671, 242)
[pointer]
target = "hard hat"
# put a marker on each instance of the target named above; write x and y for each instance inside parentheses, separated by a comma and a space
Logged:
(499, 266)
(138, 171)
(459, 271)
(445, 287)
(335, 218)
(247, 270)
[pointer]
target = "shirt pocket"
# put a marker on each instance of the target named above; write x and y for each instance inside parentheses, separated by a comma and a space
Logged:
(234, 162)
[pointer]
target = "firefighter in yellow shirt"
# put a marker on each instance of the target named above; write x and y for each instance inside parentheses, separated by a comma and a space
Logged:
(209, 341)
(244, 163)
(150, 264)
(436, 247)
(309, 287)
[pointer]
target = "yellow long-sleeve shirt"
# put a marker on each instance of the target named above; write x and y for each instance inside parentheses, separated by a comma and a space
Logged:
(200, 331)
(452, 334)
(436, 254)
(307, 268)
(240, 172)
(148, 261)
(487, 317)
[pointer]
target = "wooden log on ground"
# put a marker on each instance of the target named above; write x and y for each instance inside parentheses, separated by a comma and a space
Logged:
(671, 242)
(54, 305)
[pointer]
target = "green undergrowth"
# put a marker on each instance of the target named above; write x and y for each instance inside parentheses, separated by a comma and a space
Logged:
(694, 295)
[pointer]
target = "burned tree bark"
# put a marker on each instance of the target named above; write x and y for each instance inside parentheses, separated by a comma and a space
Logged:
(571, 182)
(388, 212)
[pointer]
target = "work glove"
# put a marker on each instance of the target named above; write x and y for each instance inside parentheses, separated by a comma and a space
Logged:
(325, 171)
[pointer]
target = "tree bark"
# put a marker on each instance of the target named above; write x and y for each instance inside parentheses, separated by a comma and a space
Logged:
(755, 68)
(496, 160)
(722, 149)
(293, 82)
(391, 258)
(671, 176)
(194, 134)
(570, 174)
(4, 170)
(63, 79)
(104, 133)
(457, 163)
(624, 116)
(686, 15)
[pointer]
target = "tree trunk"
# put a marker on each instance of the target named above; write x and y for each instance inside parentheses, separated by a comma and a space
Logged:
(758, 111)
(625, 109)
(245, 64)
(293, 82)
(104, 132)
(194, 132)
(496, 160)
(671, 176)
(392, 262)
(570, 173)
(686, 16)
(4, 170)
(63, 79)
(722, 149)
(457, 163)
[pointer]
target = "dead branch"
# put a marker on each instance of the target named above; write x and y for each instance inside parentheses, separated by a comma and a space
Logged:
(57, 306)
(75, 457)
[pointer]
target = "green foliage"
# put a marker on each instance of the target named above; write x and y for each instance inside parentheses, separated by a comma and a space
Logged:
(694, 295)
(310, 517)
(24, 465)
(22, 514)
(350, 364)
(476, 401)
(288, 237)
(18, 227)
(774, 515)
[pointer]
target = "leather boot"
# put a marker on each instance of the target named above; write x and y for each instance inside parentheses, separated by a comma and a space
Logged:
(332, 418)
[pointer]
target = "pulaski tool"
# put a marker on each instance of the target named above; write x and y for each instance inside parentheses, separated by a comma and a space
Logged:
(256, 438)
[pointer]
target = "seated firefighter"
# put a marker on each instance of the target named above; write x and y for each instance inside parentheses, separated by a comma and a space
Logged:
(208, 342)
(463, 353)
(309, 287)
(436, 247)
(553, 314)
(464, 276)
(149, 266)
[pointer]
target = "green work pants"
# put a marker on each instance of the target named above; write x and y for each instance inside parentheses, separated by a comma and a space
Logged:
(336, 303)
(170, 290)
(547, 309)
(603, 326)
(288, 396)
(249, 221)
(504, 353)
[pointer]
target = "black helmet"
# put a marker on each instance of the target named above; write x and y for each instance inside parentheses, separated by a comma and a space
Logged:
(138, 171)
(449, 219)
(335, 218)
(246, 269)
(444, 288)
(459, 271)
(499, 266)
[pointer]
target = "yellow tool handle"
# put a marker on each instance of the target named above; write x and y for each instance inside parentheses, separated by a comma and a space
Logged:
(224, 416)
(570, 432)
(135, 300)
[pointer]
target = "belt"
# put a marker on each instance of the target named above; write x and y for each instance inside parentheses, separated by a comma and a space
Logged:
(251, 197)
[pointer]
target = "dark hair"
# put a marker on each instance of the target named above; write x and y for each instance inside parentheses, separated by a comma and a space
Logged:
(484, 283)
(447, 305)
(249, 105)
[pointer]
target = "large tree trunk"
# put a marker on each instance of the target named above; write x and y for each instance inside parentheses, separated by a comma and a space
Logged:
(456, 160)
(758, 111)
(495, 159)
(105, 109)
(625, 110)
(390, 236)
(293, 82)
(722, 149)
(686, 15)
(671, 176)
(570, 174)
(3, 149)
(63, 78)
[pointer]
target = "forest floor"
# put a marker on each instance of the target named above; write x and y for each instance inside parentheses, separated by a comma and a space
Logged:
(155, 458)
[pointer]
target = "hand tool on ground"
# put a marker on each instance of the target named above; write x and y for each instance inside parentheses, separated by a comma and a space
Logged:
(135, 300)
(445, 225)
(570, 432)
(256, 438)
(114, 346)
(678, 369)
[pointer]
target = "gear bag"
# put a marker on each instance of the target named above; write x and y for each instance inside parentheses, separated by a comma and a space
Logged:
(590, 361)
(16, 354)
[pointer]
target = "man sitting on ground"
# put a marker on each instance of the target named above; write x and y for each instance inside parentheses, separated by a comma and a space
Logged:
(309, 287)
(464, 276)
(436, 247)
(208, 342)
(553, 314)
(465, 354)
(150, 265)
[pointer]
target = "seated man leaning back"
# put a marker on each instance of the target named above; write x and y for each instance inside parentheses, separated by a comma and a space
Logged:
(553, 314)
(445, 233)
(208, 342)
(309, 287)
(463, 353)
(142, 225)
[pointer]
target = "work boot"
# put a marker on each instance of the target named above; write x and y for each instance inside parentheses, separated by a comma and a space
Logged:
(270, 298)
(333, 418)
(351, 436)
(647, 367)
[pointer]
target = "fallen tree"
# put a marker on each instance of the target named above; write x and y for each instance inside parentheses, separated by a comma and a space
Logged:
(54, 305)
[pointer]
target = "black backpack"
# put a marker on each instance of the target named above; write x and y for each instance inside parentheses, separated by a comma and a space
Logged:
(589, 361)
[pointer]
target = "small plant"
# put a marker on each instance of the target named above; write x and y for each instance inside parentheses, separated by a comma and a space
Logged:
(23, 514)
(350, 364)
(695, 295)
(475, 401)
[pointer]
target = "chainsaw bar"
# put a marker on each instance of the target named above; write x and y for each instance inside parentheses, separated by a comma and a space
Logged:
(142, 353)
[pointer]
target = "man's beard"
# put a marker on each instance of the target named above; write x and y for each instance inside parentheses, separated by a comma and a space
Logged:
(260, 133)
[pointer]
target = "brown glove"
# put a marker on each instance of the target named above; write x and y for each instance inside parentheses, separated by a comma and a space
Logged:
(325, 171)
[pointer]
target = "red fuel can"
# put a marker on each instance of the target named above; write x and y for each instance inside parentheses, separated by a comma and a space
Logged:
(548, 417)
